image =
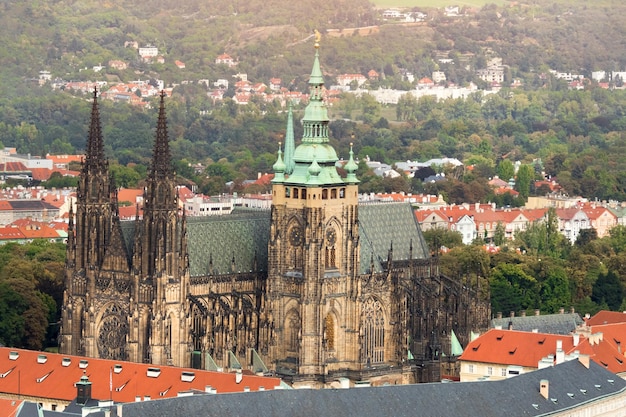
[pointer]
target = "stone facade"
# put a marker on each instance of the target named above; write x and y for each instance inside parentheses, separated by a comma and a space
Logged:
(316, 289)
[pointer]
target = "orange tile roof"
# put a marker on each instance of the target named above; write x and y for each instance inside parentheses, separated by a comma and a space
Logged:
(606, 317)
(9, 407)
(11, 233)
(51, 375)
(129, 212)
(39, 231)
(41, 174)
(595, 212)
(13, 167)
(511, 347)
(603, 353)
(129, 194)
(64, 159)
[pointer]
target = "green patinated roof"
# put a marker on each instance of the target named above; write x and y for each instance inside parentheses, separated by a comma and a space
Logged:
(455, 346)
(383, 225)
(313, 162)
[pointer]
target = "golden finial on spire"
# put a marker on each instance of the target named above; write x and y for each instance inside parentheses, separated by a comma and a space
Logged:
(318, 38)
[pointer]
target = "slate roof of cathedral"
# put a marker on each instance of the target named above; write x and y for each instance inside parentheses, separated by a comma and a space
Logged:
(571, 384)
(386, 225)
(244, 236)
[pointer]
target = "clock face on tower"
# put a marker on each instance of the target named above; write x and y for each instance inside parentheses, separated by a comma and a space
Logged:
(295, 235)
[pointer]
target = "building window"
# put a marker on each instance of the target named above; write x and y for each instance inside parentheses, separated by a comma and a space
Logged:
(295, 193)
(373, 345)
(470, 368)
(293, 332)
(503, 372)
(329, 332)
(333, 193)
(489, 370)
(287, 192)
(342, 193)
(324, 194)
(304, 193)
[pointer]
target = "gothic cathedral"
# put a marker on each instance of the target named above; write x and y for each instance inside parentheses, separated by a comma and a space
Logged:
(320, 287)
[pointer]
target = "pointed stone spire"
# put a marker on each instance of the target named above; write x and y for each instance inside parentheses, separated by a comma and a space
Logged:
(161, 159)
(289, 142)
(95, 145)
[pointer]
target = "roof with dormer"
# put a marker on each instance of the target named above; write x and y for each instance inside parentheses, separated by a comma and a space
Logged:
(572, 385)
(53, 376)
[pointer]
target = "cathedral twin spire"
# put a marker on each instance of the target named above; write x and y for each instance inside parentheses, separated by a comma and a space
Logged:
(161, 159)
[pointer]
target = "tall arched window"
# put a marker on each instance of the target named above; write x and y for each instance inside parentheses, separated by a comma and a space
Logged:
(329, 332)
(373, 327)
(197, 328)
(292, 331)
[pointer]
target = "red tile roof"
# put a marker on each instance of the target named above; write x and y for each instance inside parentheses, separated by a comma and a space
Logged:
(511, 347)
(11, 233)
(53, 376)
(129, 194)
(8, 408)
(606, 317)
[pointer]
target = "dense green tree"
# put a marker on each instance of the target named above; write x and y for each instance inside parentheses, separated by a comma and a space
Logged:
(608, 289)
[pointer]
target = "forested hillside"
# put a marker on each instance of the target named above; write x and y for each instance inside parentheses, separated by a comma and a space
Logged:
(577, 136)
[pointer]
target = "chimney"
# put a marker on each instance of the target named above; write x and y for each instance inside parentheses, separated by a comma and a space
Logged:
(512, 314)
(584, 359)
(510, 325)
(576, 339)
(561, 310)
(572, 310)
(83, 390)
(544, 388)
(560, 354)
(499, 315)
(523, 313)
(537, 312)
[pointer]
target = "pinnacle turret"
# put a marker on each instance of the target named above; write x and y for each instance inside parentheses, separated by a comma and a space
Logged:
(161, 159)
(289, 142)
(95, 146)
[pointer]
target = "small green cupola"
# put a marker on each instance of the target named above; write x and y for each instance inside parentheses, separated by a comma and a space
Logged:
(279, 168)
(351, 168)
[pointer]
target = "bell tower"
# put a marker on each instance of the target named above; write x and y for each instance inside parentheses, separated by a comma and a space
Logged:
(313, 248)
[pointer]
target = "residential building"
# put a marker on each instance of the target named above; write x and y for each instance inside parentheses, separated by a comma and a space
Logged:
(319, 287)
(347, 79)
(571, 222)
(226, 60)
(501, 353)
